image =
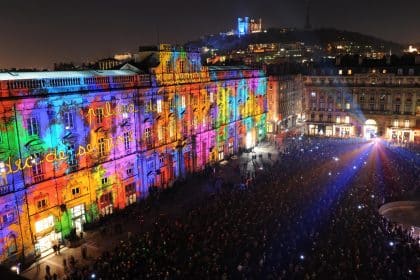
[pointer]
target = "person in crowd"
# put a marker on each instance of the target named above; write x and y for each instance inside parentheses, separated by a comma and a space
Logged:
(311, 214)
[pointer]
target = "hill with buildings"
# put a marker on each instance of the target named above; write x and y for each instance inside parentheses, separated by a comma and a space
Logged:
(327, 40)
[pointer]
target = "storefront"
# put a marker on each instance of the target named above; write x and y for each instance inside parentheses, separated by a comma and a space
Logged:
(78, 217)
(370, 129)
(400, 135)
(230, 146)
(221, 153)
(312, 129)
(45, 235)
(329, 131)
(320, 129)
(343, 130)
(105, 204)
(130, 194)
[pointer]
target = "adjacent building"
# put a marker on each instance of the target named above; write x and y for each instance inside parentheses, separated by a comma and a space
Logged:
(362, 100)
(78, 145)
(284, 95)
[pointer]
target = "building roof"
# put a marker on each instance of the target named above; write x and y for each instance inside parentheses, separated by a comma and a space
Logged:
(7, 76)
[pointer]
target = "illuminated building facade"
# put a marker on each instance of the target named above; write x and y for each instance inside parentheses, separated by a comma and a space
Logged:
(75, 146)
(344, 102)
(248, 26)
(284, 95)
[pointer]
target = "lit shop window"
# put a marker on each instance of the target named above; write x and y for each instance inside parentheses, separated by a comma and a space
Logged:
(338, 119)
(348, 106)
(396, 123)
(407, 123)
(130, 192)
(347, 119)
(78, 210)
(44, 224)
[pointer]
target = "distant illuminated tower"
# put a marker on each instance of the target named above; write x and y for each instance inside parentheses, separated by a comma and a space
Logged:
(308, 25)
(243, 26)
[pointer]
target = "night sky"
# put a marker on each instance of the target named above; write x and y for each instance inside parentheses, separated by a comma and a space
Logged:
(38, 33)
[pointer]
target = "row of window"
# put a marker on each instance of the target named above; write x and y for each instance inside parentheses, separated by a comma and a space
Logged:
(346, 120)
(338, 119)
(182, 66)
(32, 123)
(373, 71)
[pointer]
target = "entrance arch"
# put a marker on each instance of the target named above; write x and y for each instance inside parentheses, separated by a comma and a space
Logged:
(370, 129)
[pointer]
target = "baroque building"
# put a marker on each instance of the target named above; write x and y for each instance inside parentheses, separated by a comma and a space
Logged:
(376, 102)
(78, 145)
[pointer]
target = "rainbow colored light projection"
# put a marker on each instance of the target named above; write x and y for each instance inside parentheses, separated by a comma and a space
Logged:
(75, 146)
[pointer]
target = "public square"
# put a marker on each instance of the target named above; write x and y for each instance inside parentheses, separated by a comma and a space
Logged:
(309, 212)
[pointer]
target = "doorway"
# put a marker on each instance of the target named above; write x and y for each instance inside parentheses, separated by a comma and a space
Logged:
(370, 129)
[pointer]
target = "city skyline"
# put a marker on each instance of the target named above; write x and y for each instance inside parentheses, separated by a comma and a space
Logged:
(39, 34)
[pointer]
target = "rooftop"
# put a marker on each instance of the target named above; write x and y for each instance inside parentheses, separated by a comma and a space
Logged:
(8, 76)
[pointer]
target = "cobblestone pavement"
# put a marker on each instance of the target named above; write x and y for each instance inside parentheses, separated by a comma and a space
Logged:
(193, 192)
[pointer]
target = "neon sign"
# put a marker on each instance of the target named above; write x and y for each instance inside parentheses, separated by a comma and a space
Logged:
(108, 112)
(57, 156)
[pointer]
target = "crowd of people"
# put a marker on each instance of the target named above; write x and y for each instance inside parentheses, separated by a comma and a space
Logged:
(309, 213)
